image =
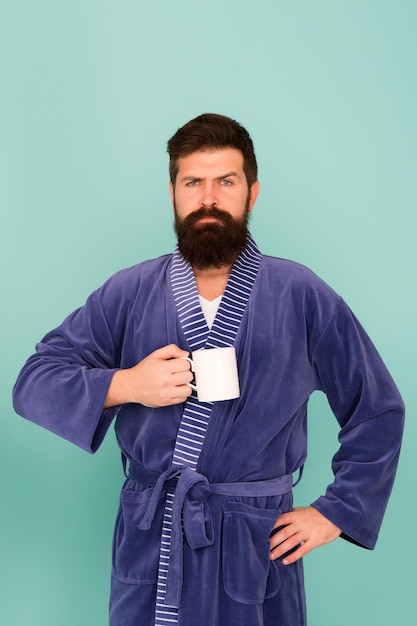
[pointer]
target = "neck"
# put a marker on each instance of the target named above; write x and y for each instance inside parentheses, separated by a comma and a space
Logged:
(212, 282)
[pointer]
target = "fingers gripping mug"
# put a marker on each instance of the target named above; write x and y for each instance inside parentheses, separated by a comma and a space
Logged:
(216, 375)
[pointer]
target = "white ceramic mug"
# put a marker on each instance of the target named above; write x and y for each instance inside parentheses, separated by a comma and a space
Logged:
(216, 375)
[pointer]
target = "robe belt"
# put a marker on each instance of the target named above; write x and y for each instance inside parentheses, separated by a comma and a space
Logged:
(191, 512)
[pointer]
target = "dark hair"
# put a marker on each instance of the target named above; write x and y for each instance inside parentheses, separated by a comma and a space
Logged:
(211, 132)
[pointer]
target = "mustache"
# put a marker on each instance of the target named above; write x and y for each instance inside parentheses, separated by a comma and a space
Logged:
(203, 212)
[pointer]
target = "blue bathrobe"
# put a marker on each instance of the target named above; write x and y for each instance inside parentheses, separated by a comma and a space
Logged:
(296, 336)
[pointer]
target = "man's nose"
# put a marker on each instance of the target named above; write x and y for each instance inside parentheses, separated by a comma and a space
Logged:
(208, 195)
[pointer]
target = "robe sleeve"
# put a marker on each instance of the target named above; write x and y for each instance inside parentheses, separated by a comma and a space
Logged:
(370, 412)
(63, 386)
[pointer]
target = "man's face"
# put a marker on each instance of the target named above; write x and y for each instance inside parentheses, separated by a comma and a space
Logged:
(211, 202)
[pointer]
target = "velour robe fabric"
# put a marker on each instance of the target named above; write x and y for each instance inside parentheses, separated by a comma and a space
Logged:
(297, 336)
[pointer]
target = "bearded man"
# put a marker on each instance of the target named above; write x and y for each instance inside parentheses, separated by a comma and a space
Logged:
(206, 532)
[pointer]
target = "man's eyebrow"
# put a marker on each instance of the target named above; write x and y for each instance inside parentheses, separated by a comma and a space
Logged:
(228, 175)
(185, 178)
(199, 178)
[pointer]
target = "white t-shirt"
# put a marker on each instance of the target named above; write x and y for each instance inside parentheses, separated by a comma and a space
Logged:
(209, 309)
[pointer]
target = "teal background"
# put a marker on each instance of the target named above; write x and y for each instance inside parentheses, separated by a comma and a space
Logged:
(90, 92)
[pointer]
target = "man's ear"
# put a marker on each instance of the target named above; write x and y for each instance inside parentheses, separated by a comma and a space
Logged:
(171, 192)
(253, 194)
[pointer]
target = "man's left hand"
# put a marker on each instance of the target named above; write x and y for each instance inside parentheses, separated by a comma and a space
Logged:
(304, 527)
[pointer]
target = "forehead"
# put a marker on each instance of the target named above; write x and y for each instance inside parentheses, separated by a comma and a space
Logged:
(211, 163)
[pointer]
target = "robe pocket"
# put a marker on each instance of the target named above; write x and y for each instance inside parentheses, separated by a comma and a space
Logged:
(249, 576)
(135, 551)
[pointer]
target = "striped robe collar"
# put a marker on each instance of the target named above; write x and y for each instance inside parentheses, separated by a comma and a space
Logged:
(232, 305)
(196, 416)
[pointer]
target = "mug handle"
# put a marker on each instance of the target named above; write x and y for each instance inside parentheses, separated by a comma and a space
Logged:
(186, 358)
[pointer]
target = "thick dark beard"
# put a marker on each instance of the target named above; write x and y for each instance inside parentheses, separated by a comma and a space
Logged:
(212, 245)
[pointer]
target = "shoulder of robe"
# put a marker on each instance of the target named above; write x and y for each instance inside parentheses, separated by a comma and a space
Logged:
(297, 275)
(129, 279)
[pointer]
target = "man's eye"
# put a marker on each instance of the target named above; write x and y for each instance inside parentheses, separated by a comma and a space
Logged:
(192, 183)
(226, 183)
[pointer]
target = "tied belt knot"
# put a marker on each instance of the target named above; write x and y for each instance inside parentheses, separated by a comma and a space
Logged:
(191, 512)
